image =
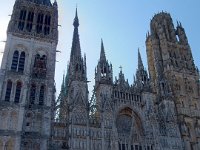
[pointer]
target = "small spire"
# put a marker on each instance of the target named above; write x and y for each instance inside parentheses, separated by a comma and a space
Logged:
(76, 49)
(140, 63)
(76, 20)
(102, 55)
(55, 3)
(63, 83)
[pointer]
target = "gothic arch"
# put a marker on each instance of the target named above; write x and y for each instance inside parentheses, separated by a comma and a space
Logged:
(79, 99)
(18, 90)
(33, 93)
(129, 127)
(42, 94)
(8, 92)
(19, 58)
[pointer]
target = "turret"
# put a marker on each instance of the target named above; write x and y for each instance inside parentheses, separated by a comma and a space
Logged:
(182, 38)
(141, 73)
(162, 27)
(103, 73)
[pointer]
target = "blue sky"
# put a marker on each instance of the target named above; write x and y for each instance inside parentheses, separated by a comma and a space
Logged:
(121, 24)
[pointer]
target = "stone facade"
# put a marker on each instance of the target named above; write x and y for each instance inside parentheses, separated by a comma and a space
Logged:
(159, 111)
(27, 76)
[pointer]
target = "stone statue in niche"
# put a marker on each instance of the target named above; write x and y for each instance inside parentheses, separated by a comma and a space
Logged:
(39, 70)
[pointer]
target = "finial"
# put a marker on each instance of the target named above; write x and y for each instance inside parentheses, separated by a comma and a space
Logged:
(76, 20)
(177, 23)
(120, 68)
(140, 63)
(102, 55)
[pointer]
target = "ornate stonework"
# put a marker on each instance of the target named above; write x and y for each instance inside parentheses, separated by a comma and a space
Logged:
(159, 111)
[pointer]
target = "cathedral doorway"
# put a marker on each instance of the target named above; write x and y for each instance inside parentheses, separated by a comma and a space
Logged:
(129, 129)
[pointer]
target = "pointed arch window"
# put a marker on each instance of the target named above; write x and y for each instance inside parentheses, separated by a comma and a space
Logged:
(32, 93)
(18, 92)
(15, 61)
(22, 18)
(29, 24)
(41, 96)
(39, 23)
(47, 23)
(8, 90)
(21, 62)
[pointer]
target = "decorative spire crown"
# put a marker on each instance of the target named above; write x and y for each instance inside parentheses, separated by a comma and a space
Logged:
(102, 55)
(76, 20)
(76, 49)
(140, 63)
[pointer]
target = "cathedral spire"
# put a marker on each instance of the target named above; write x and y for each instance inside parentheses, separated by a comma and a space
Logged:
(76, 49)
(77, 64)
(102, 55)
(140, 63)
(103, 73)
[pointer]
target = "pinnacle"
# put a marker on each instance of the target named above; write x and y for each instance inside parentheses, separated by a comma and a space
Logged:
(102, 55)
(76, 20)
(140, 63)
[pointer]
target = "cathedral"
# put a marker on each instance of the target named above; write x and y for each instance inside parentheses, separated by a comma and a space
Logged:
(160, 110)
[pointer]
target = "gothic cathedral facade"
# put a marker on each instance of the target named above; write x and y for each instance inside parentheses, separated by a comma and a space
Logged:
(159, 111)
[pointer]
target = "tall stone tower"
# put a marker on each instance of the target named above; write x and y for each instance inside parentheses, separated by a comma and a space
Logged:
(27, 75)
(103, 78)
(77, 98)
(174, 77)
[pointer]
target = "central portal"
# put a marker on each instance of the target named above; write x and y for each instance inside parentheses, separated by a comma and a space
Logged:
(129, 130)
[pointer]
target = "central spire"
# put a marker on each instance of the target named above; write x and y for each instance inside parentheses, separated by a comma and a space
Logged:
(76, 49)
(77, 65)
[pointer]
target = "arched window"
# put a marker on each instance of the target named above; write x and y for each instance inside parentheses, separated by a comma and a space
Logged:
(41, 97)
(29, 24)
(39, 23)
(8, 90)
(47, 24)
(22, 18)
(15, 61)
(32, 93)
(21, 62)
(18, 92)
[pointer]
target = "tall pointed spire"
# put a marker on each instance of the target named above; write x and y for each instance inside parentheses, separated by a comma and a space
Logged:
(77, 64)
(102, 55)
(76, 49)
(140, 63)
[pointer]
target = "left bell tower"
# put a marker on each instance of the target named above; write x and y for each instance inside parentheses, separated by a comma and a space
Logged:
(27, 76)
